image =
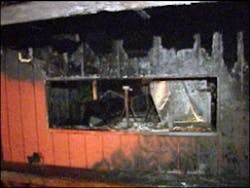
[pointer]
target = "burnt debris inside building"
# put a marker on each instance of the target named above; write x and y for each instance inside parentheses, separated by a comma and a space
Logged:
(114, 90)
(123, 70)
(149, 104)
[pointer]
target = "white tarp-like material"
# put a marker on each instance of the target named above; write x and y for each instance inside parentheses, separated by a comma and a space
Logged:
(160, 93)
(181, 101)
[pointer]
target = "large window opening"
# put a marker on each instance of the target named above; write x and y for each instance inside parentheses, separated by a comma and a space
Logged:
(179, 105)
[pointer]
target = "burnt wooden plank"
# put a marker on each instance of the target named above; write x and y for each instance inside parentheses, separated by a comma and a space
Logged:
(111, 146)
(77, 156)
(5, 143)
(94, 149)
(28, 117)
(45, 147)
(14, 107)
(38, 10)
(44, 138)
(61, 149)
(27, 101)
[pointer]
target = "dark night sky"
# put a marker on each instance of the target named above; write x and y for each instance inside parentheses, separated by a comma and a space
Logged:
(176, 25)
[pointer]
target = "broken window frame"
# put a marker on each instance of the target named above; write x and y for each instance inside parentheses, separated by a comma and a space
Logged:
(95, 81)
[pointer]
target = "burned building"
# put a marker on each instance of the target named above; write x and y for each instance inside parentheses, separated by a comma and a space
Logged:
(143, 90)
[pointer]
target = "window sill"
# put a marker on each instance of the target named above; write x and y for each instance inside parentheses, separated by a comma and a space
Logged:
(186, 134)
(152, 132)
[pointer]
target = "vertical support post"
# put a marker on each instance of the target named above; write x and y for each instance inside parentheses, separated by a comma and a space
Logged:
(126, 103)
(240, 58)
(196, 47)
(82, 60)
(117, 50)
(119, 43)
(94, 89)
(219, 151)
(217, 49)
(65, 107)
(126, 107)
(66, 63)
(178, 156)
(240, 136)
(197, 151)
(156, 53)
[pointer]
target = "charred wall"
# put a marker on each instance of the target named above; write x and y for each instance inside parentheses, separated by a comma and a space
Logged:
(125, 45)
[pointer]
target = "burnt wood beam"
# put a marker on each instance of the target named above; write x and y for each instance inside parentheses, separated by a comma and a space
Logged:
(43, 10)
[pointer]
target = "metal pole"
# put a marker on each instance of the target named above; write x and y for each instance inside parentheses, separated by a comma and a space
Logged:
(126, 103)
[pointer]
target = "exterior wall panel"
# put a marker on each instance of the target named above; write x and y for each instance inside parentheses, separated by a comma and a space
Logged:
(15, 121)
(44, 138)
(6, 147)
(61, 149)
(27, 101)
(77, 150)
(94, 149)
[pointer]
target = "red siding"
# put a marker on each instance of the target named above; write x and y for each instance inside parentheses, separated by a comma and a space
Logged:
(28, 117)
(111, 145)
(129, 143)
(6, 147)
(94, 149)
(29, 132)
(24, 130)
(15, 121)
(77, 150)
(61, 149)
(45, 141)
